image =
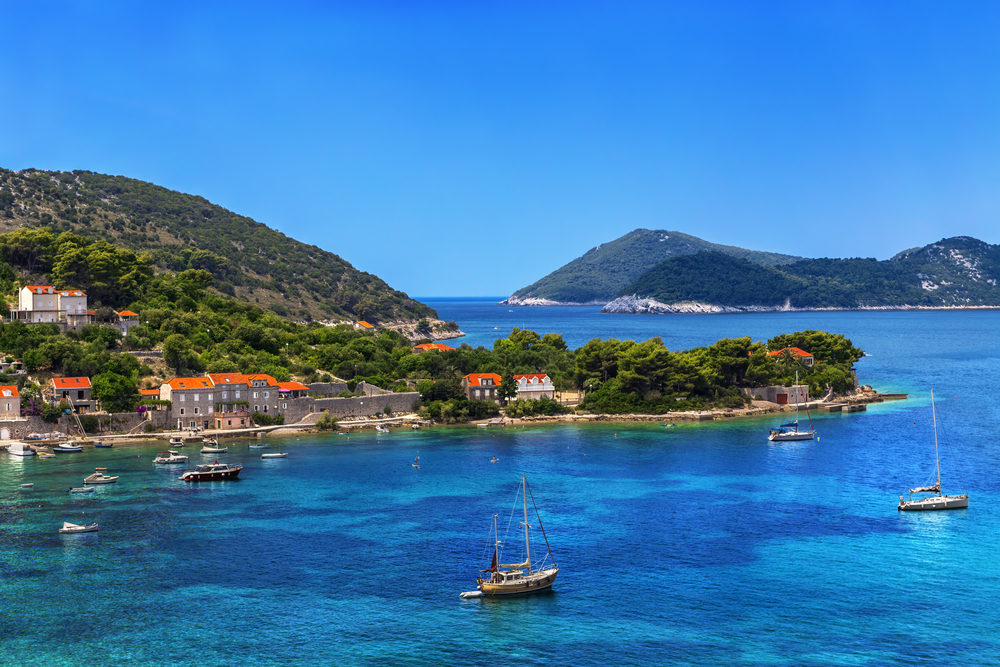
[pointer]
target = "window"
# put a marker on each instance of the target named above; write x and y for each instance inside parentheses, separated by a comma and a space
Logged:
(267, 394)
(182, 411)
(79, 395)
(182, 398)
(192, 425)
(196, 410)
(237, 394)
(225, 395)
(210, 398)
(230, 422)
(8, 407)
(197, 396)
(255, 394)
(479, 393)
(256, 408)
(284, 406)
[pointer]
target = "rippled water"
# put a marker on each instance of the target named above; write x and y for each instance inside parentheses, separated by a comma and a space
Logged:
(701, 545)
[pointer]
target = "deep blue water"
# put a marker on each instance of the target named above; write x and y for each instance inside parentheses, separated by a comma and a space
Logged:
(698, 545)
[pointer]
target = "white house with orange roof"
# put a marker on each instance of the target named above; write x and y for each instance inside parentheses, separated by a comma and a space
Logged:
(43, 303)
(534, 386)
(76, 391)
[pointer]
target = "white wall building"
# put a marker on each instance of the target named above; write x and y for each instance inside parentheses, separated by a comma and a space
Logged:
(534, 386)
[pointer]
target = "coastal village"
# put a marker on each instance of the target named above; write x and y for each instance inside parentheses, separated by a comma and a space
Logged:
(231, 403)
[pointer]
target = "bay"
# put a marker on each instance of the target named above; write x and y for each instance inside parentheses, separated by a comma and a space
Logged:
(698, 545)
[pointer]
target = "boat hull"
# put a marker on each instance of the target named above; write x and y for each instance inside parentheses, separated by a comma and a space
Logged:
(787, 437)
(535, 583)
(935, 503)
(211, 476)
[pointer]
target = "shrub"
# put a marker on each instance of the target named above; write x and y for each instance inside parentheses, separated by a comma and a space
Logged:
(326, 422)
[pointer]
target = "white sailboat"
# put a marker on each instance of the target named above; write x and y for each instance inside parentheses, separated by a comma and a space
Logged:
(937, 501)
(517, 578)
(791, 431)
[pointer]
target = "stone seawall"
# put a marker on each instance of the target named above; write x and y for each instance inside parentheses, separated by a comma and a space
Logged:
(366, 406)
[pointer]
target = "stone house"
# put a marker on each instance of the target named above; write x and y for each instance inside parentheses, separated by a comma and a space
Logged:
(482, 386)
(75, 391)
(44, 303)
(232, 394)
(125, 321)
(534, 386)
(192, 401)
(264, 394)
(10, 402)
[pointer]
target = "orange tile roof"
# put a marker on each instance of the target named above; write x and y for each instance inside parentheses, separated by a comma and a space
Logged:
(292, 386)
(228, 378)
(149, 392)
(128, 313)
(475, 379)
(72, 292)
(12, 388)
(71, 383)
(427, 347)
(794, 350)
(541, 377)
(40, 289)
(365, 324)
(190, 383)
(271, 382)
(91, 312)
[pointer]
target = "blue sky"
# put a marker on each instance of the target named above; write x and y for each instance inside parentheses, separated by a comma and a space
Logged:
(469, 148)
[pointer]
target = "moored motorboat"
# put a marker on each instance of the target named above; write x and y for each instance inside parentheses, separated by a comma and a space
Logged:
(67, 449)
(100, 478)
(937, 501)
(518, 578)
(45, 455)
(381, 428)
(211, 446)
(212, 471)
(169, 456)
(176, 441)
(104, 445)
(278, 455)
(82, 489)
(69, 528)
(20, 449)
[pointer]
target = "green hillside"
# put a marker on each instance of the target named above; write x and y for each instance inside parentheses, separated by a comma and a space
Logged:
(960, 271)
(602, 272)
(178, 231)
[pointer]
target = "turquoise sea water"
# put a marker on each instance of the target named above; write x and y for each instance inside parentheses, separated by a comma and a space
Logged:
(698, 545)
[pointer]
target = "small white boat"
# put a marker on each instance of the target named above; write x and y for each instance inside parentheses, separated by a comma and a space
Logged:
(82, 489)
(259, 446)
(100, 478)
(381, 428)
(214, 450)
(169, 456)
(415, 427)
(20, 449)
(790, 431)
(28, 485)
(176, 441)
(68, 527)
(279, 455)
(67, 449)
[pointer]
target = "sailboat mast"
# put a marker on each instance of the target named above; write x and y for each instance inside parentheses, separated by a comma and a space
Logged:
(937, 456)
(796, 401)
(496, 543)
(527, 541)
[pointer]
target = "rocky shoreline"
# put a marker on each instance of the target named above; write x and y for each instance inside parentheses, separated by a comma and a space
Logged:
(635, 305)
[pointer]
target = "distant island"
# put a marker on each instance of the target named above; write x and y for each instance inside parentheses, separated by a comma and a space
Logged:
(602, 272)
(959, 272)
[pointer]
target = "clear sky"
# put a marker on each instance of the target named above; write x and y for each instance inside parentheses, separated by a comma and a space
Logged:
(469, 148)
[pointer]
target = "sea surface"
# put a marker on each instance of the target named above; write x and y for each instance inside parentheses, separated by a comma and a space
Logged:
(694, 545)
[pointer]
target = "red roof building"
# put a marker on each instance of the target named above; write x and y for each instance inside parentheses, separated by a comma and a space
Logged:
(482, 386)
(806, 358)
(428, 347)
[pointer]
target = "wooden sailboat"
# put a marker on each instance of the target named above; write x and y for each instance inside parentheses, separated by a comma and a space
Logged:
(519, 578)
(791, 431)
(937, 501)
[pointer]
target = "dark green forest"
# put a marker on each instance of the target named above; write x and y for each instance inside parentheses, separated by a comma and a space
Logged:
(176, 232)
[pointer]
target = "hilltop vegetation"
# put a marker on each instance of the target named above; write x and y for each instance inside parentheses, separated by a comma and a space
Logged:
(601, 273)
(176, 232)
(953, 272)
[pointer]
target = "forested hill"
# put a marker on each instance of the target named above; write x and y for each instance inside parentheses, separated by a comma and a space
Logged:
(601, 273)
(247, 259)
(954, 272)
